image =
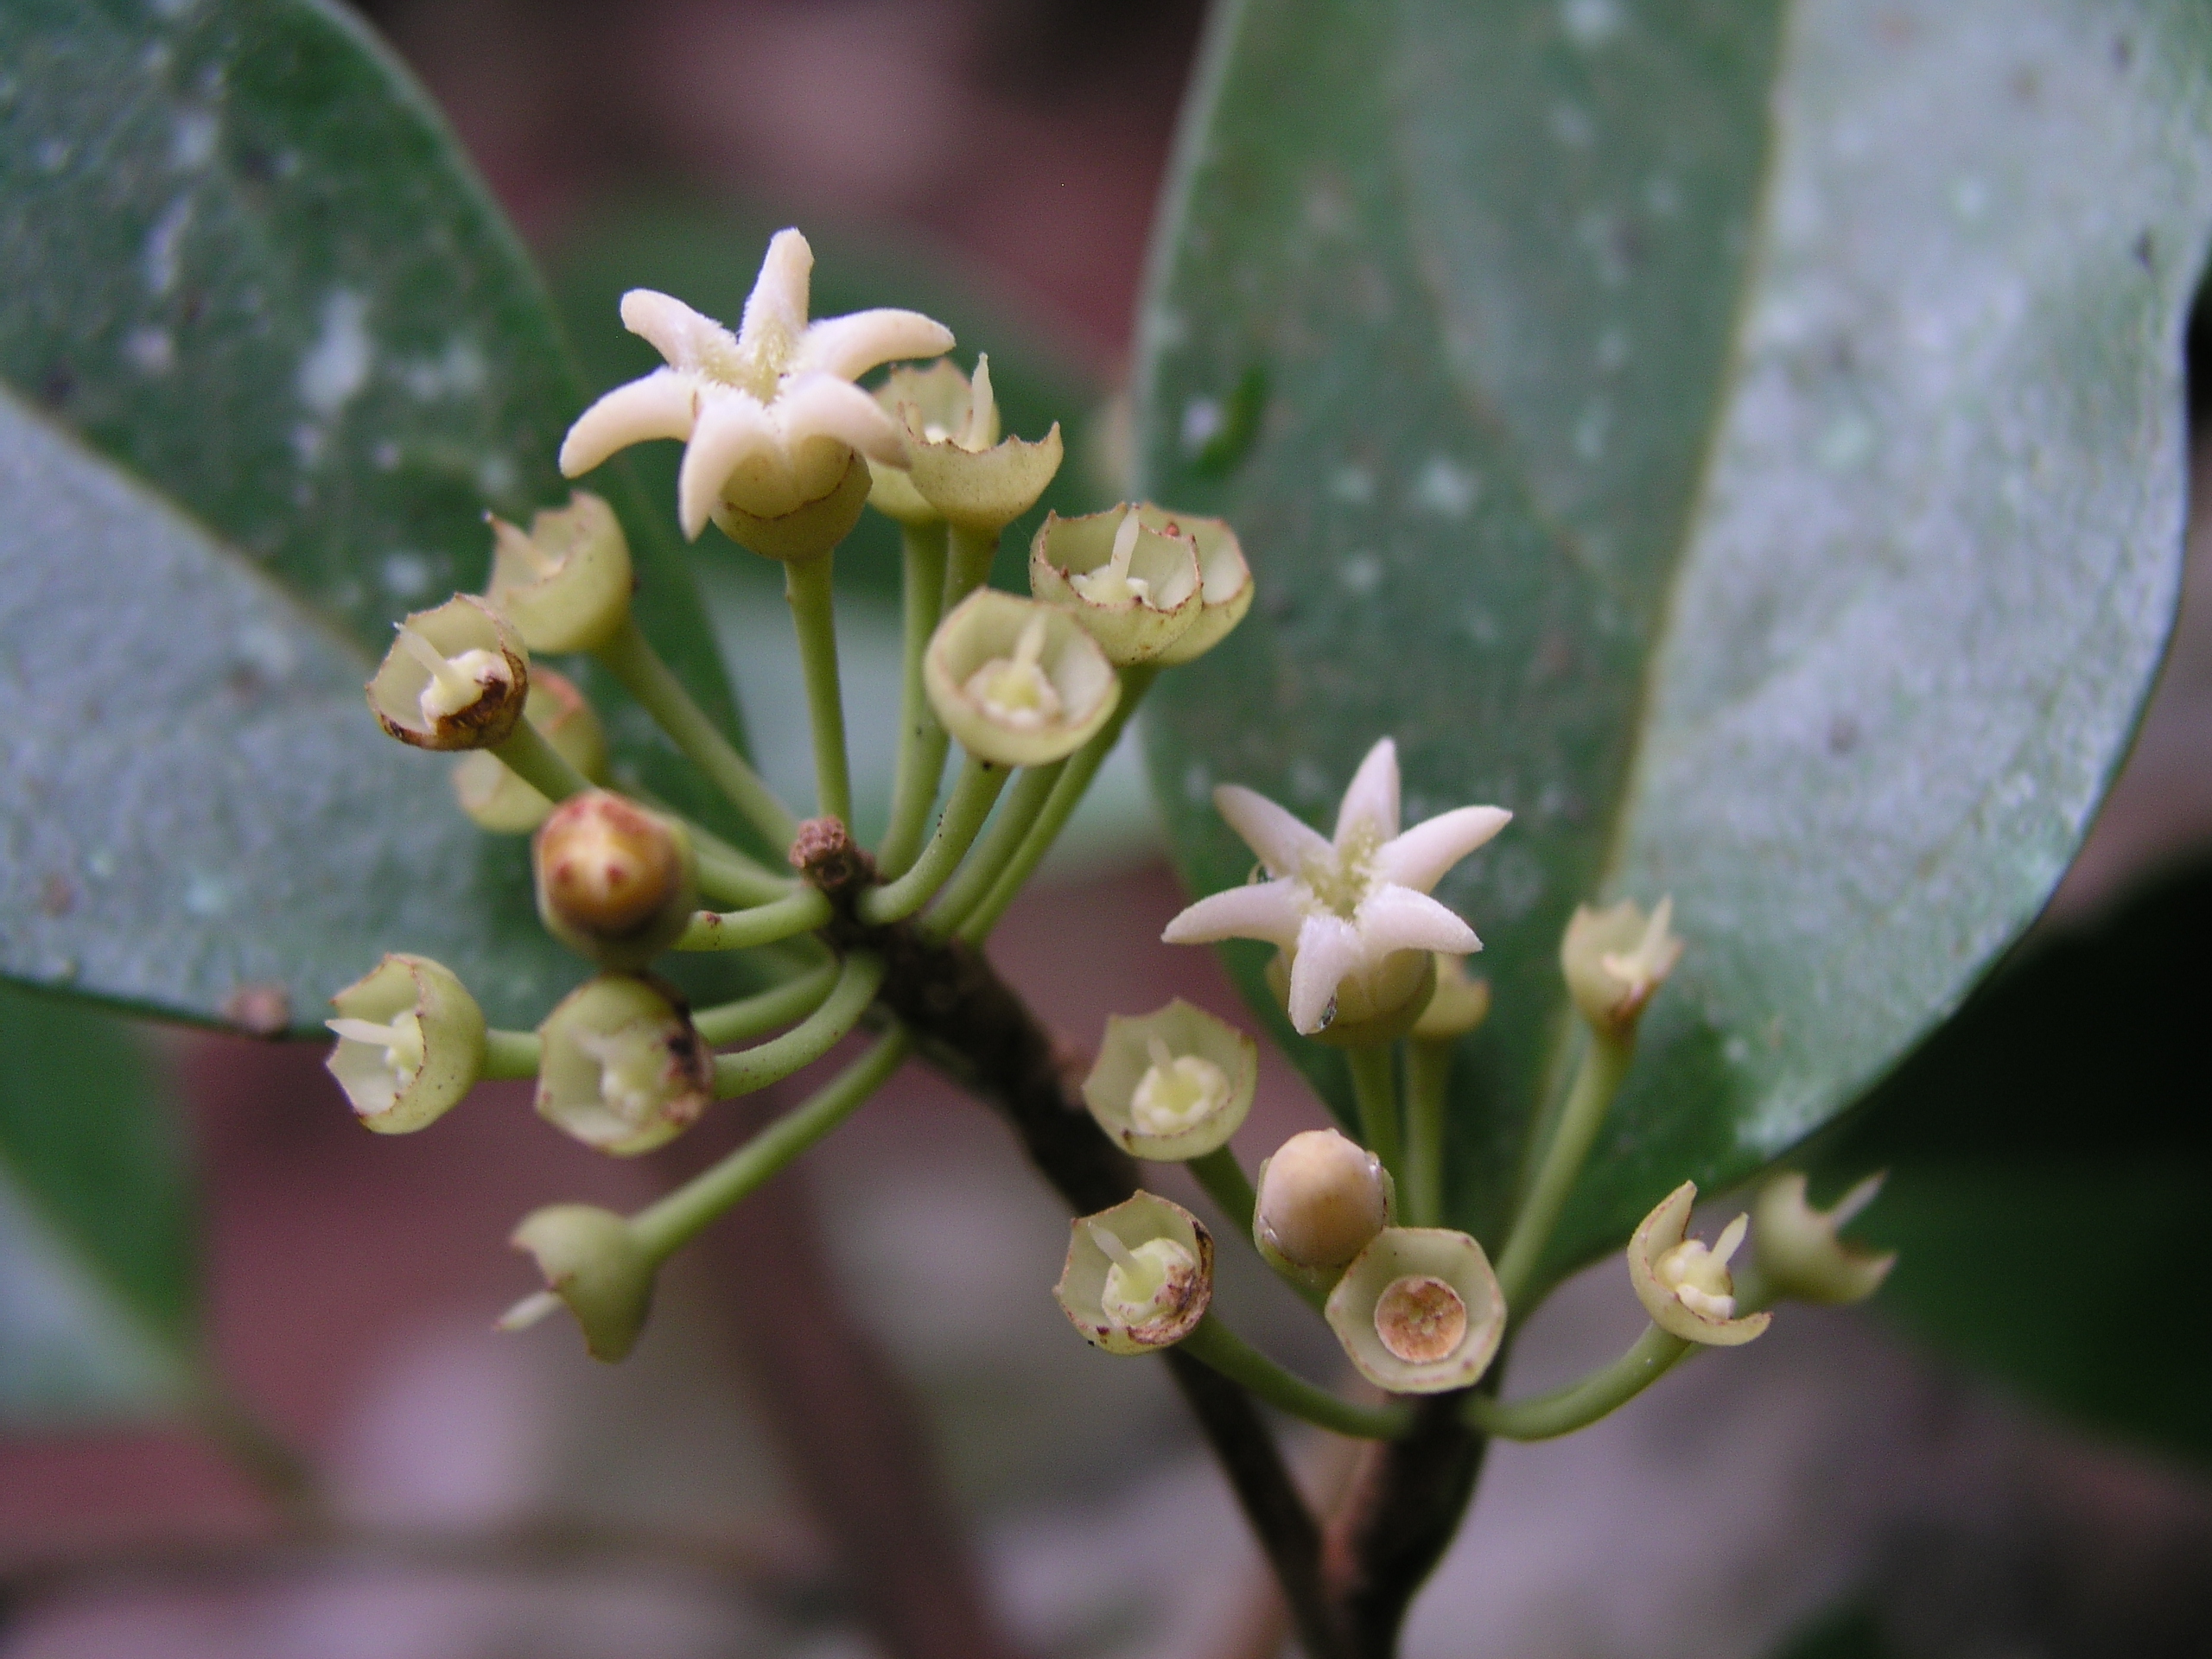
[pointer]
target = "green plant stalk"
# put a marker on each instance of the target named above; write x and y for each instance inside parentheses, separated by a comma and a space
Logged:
(1429, 1081)
(975, 878)
(794, 914)
(665, 1227)
(1226, 1184)
(1374, 1092)
(1604, 1063)
(965, 814)
(1214, 1344)
(1584, 1401)
(922, 739)
(509, 1054)
(972, 554)
(631, 658)
(808, 588)
(1074, 779)
(750, 1069)
(757, 1014)
(526, 753)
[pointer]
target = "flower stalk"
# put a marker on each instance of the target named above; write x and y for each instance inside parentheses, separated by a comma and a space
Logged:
(922, 738)
(808, 587)
(1579, 1403)
(1219, 1346)
(970, 805)
(752, 1069)
(1597, 1080)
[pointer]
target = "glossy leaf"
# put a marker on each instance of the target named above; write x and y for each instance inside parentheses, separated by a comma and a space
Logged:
(282, 352)
(1743, 439)
(99, 1283)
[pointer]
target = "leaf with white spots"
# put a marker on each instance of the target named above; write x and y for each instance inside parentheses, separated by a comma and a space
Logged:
(1744, 440)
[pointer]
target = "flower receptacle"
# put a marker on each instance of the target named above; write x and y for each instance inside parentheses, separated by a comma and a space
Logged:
(410, 1044)
(616, 882)
(1138, 1276)
(1418, 1312)
(1171, 1084)
(620, 1065)
(456, 678)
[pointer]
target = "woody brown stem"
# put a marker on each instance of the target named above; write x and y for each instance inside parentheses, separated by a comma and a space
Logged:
(1406, 1501)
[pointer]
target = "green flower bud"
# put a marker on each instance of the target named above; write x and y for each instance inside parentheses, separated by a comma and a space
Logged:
(454, 678)
(1138, 1276)
(1018, 683)
(1225, 589)
(958, 470)
(592, 1261)
(616, 882)
(1173, 1084)
(1379, 1006)
(1133, 583)
(1797, 1253)
(1684, 1284)
(410, 1043)
(620, 1066)
(1321, 1198)
(1615, 960)
(499, 801)
(566, 584)
(1419, 1312)
(1459, 1004)
(810, 530)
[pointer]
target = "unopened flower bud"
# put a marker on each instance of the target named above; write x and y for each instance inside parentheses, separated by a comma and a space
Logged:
(592, 1261)
(454, 678)
(1225, 585)
(565, 583)
(1420, 1311)
(488, 790)
(811, 530)
(1797, 1251)
(958, 470)
(1132, 584)
(622, 1067)
(410, 1043)
(1459, 1004)
(1615, 960)
(1684, 1284)
(615, 881)
(1171, 1084)
(1321, 1198)
(1138, 1276)
(1017, 683)
(1379, 1005)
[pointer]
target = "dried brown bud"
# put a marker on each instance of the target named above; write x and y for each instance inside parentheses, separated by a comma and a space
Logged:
(614, 881)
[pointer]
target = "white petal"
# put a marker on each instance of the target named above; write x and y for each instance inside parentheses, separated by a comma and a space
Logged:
(820, 405)
(1398, 918)
(1329, 948)
(1283, 843)
(733, 433)
(1418, 858)
(849, 346)
(662, 405)
(1372, 800)
(1268, 911)
(778, 303)
(673, 328)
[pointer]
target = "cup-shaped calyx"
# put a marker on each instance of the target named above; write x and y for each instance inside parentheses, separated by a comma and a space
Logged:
(410, 1043)
(1018, 683)
(565, 581)
(620, 1066)
(773, 429)
(1418, 1312)
(491, 793)
(456, 678)
(958, 469)
(1615, 960)
(1683, 1283)
(1459, 1004)
(1797, 1250)
(1138, 1276)
(615, 881)
(1174, 1083)
(1321, 1201)
(1351, 913)
(1225, 579)
(1129, 575)
(592, 1261)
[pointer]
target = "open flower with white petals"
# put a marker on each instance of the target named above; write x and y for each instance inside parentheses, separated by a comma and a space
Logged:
(771, 420)
(1347, 911)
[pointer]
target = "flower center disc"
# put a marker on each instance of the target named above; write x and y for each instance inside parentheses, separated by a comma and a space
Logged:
(1421, 1319)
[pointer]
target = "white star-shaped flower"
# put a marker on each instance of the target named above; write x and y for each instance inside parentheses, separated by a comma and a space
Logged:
(769, 416)
(1341, 908)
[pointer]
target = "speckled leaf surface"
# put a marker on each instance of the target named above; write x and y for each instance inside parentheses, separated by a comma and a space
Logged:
(1743, 439)
(272, 352)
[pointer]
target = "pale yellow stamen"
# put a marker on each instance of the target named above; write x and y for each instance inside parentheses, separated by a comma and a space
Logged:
(401, 1041)
(1177, 1092)
(527, 1311)
(455, 682)
(1138, 1282)
(1111, 582)
(981, 410)
(1698, 1276)
(1640, 967)
(1016, 691)
(633, 1070)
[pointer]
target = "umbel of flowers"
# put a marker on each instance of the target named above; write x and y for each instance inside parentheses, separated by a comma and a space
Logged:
(784, 451)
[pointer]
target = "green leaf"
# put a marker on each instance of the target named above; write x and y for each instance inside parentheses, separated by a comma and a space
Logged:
(290, 352)
(1743, 439)
(98, 1265)
(2049, 1160)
